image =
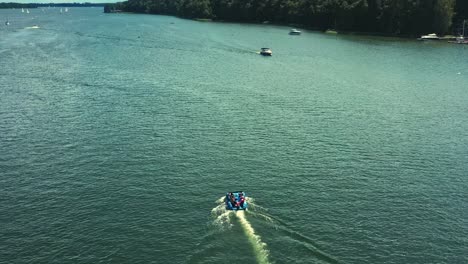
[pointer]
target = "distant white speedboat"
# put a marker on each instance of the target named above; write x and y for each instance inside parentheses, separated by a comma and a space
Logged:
(294, 32)
(265, 51)
(33, 27)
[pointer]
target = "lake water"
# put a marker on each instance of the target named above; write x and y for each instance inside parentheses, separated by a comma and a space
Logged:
(119, 134)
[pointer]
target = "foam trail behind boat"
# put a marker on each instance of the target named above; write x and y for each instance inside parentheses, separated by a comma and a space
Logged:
(221, 216)
(261, 252)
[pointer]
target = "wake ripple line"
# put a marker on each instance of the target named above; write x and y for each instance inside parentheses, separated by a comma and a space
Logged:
(303, 240)
(260, 248)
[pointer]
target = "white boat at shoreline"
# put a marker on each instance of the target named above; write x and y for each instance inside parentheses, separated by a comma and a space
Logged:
(432, 36)
(461, 39)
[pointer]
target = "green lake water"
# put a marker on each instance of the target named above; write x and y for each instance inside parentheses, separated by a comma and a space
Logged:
(119, 134)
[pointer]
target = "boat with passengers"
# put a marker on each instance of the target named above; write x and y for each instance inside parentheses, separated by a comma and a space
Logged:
(236, 201)
(266, 52)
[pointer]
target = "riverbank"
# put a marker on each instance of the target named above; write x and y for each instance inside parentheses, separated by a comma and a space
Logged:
(294, 25)
(362, 16)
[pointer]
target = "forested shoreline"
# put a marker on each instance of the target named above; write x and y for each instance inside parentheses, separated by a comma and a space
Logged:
(393, 17)
(37, 5)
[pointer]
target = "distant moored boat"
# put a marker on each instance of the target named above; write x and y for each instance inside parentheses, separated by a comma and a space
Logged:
(461, 39)
(432, 36)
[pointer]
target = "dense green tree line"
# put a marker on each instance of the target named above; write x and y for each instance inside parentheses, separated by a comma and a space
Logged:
(403, 17)
(461, 13)
(36, 5)
(17, 5)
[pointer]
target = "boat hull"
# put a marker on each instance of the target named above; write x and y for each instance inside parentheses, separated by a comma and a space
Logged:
(237, 206)
(459, 42)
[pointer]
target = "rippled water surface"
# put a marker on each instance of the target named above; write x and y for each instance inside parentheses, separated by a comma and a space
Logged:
(119, 133)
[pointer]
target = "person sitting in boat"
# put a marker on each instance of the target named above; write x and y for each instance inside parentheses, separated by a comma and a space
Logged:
(240, 203)
(233, 199)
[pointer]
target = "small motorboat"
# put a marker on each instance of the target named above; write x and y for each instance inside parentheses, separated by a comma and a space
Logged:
(432, 36)
(33, 27)
(265, 52)
(236, 201)
(460, 40)
(294, 32)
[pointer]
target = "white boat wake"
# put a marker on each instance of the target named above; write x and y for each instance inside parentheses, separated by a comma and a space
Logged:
(260, 248)
(222, 219)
